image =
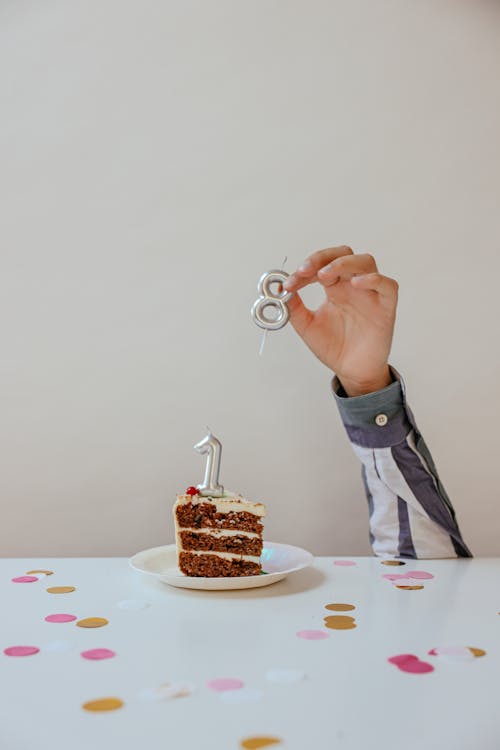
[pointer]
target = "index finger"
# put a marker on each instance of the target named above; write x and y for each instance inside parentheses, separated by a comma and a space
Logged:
(307, 273)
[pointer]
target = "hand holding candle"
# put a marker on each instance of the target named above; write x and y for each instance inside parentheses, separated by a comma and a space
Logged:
(210, 486)
(351, 331)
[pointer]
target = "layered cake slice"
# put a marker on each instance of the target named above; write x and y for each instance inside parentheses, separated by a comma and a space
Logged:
(218, 536)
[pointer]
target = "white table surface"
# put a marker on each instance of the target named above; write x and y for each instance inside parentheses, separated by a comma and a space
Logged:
(351, 697)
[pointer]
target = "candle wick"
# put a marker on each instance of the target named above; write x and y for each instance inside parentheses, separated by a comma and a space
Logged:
(262, 342)
(284, 261)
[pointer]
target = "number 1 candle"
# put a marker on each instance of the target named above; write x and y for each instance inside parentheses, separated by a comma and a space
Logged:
(210, 486)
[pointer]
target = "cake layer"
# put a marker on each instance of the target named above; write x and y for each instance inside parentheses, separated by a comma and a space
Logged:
(216, 566)
(196, 515)
(192, 540)
(229, 503)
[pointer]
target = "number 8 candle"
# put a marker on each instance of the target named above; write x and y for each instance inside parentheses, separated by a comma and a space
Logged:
(268, 299)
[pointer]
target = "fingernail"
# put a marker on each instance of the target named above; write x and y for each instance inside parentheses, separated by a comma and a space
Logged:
(324, 271)
(306, 266)
(290, 281)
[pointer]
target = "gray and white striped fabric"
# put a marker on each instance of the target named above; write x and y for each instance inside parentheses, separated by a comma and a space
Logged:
(410, 512)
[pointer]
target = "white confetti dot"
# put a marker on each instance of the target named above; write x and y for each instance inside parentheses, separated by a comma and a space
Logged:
(285, 676)
(167, 691)
(455, 654)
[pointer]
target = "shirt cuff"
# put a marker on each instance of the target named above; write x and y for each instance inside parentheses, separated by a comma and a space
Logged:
(375, 420)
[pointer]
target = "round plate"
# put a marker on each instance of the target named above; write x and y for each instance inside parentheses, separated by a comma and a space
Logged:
(278, 561)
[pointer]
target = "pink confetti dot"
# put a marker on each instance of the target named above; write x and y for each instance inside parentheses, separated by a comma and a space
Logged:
(345, 563)
(313, 635)
(225, 683)
(419, 575)
(21, 650)
(402, 659)
(60, 618)
(411, 663)
(98, 653)
(25, 579)
(394, 576)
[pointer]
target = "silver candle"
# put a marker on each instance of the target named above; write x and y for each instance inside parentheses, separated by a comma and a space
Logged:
(268, 299)
(210, 486)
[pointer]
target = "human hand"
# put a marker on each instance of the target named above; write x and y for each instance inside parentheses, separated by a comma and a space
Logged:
(351, 332)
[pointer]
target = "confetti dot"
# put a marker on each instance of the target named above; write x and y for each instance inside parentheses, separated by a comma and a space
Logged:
(340, 607)
(453, 654)
(477, 651)
(103, 704)
(167, 691)
(21, 651)
(133, 605)
(245, 695)
(40, 573)
(409, 588)
(225, 683)
(419, 575)
(344, 563)
(92, 622)
(61, 589)
(313, 635)
(411, 664)
(25, 579)
(402, 659)
(255, 743)
(285, 676)
(392, 562)
(58, 647)
(340, 622)
(60, 618)
(395, 576)
(96, 654)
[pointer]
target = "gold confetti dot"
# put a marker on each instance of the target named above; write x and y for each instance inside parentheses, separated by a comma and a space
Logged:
(410, 588)
(92, 622)
(392, 562)
(254, 743)
(340, 607)
(103, 704)
(61, 589)
(340, 622)
(40, 572)
(477, 651)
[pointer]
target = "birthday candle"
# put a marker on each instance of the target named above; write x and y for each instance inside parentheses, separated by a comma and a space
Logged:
(210, 486)
(268, 299)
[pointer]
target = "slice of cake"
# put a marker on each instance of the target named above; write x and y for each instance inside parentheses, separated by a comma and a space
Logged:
(218, 536)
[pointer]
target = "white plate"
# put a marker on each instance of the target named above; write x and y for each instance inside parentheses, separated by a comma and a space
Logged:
(278, 560)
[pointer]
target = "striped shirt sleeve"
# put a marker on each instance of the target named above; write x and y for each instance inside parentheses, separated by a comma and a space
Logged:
(410, 512)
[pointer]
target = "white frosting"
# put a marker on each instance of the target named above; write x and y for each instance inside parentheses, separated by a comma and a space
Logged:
(217, 533)
(231, 504)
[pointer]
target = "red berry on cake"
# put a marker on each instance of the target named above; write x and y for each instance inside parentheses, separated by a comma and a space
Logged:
(192, 491)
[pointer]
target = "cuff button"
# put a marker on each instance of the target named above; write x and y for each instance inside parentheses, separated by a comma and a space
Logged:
(381, 420)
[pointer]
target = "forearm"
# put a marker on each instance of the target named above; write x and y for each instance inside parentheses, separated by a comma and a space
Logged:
(410, 512)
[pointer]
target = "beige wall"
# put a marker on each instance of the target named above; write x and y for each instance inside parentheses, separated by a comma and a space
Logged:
(156, 157)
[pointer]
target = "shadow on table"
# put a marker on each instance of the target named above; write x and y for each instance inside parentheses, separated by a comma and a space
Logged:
(303, 580)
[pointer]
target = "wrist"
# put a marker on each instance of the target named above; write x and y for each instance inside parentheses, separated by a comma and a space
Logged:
(362, 386)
